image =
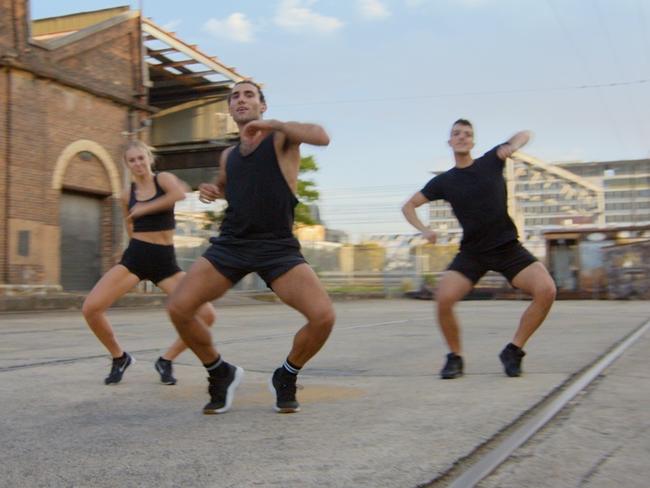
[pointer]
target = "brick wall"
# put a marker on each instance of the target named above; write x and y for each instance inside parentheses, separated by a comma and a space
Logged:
(3, 169)
(108, 61)
(47, 118)
(108, 251)
(47, 115)
(6, 26)
(13, 24)
(87, 174)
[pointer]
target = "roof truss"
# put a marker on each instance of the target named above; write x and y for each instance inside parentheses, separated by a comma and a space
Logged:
(179, 72)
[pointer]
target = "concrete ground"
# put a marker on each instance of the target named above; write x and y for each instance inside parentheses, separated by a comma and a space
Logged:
(374, 413)
(600, 440)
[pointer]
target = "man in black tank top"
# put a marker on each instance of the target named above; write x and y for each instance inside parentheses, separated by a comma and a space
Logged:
(476, 191)
(258, 178)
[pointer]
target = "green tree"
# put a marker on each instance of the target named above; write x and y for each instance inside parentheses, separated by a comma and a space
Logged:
(214, 219)
(307, 192)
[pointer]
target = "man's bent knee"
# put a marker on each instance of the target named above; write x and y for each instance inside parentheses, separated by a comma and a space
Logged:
(324, 321)
(178, 312)
(208, 315)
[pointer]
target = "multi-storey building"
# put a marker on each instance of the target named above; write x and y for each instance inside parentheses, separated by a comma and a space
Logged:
(626, 185)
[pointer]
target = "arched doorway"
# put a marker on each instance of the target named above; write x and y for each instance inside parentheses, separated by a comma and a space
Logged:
(88, 180)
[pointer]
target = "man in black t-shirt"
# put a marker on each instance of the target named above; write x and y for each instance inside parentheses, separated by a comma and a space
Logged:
(476, 191)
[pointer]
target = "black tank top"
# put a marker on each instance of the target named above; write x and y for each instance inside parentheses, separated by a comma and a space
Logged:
(260, 203)
(151, 222)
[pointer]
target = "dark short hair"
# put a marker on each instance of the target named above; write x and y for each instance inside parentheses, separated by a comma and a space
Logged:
(250, 82)
(463, 122)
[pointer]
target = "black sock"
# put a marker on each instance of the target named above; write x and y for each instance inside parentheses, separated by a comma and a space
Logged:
(122, 357)
(217, 368)
(512, 347)
(290, 368)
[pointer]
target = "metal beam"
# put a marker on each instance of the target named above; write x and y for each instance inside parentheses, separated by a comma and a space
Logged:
(157, 52)
(170, 90)
(562, 173)
(185, 81)
(155, 32)
(178, 64)
(199, 74)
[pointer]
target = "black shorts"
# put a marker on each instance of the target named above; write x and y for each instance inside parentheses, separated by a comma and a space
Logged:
(148, 261)
(508, 259)
(269, 258)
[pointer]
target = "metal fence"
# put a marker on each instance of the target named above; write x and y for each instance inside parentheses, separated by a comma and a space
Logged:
(346, 268)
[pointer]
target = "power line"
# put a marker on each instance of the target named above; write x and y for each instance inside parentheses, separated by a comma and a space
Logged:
(612, 84)
(640, 125)
(645, 38)
(376, 187)
(369, 197)
(571, 41)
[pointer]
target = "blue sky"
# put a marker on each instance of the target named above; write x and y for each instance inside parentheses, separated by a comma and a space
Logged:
(387, 78)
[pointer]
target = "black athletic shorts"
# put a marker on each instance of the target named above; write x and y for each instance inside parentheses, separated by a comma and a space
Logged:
(148, 261)
(508, 259)
(269, 258)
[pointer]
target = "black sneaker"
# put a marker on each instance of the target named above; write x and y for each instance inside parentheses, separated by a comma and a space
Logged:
(222, 390)
(164, 368)
(118, 368)
(283, 386)
(511, 357)
(453, 368)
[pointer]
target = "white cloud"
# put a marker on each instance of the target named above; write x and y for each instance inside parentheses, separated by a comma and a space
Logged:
(296, 15)
(373, 9)
(236, 27)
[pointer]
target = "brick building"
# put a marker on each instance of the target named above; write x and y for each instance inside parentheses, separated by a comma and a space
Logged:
(63, 105)
(72, 90)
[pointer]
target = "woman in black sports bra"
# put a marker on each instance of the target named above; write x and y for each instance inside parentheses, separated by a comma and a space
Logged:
(149, 212)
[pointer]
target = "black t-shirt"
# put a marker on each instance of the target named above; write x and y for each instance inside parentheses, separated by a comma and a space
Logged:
(478, 197)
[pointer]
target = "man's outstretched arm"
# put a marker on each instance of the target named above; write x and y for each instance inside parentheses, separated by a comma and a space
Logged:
(294, 132)
(516, 142)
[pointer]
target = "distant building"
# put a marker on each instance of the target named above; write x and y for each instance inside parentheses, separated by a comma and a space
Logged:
(311, 233)
(577, 258)
(335, 235)
(626, 185)
(628, 270)
(399, 248)
(319, 230)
